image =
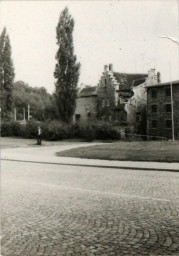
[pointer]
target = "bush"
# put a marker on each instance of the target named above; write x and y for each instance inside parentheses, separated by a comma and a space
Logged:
(6, 129)
(30, 129)
(87, 132)
(56, 130)
(98, 130)
(10, 128)
(105, 131)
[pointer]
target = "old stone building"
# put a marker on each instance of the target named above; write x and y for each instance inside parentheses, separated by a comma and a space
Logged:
(159, 109)
(113, 91)
(119, 98)
(86, 105)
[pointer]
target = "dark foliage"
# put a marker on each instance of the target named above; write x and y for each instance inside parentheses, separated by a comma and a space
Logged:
(6, 76)
(55, 130)
(11, 129)
(67, 69)
(42, 104)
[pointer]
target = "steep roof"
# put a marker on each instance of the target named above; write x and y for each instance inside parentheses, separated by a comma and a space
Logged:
(127, 81)
(88, 91)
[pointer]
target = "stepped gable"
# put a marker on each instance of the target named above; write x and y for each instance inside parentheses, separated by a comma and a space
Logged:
(88, 91)
(127, 81)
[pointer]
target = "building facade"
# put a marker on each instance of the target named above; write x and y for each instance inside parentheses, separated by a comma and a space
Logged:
(159, 110)
(137, 104)
(113, 91)
(119, 98)
(86, 105)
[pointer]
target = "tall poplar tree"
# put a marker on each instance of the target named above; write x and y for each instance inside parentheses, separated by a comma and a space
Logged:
(67, 69)
(6, 75)
(2, 92)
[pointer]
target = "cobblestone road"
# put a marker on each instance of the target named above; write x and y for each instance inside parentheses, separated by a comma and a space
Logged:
(51, 210)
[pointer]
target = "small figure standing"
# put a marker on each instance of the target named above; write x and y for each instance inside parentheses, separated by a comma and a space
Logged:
(39, 139)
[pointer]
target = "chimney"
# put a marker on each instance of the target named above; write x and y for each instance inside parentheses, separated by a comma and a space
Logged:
(158, 77)
(152, 77)
(111, 67)
(105, 68)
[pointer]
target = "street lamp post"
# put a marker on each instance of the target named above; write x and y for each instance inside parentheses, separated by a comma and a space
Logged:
(28, 112)
(171, 86)
(171, 92)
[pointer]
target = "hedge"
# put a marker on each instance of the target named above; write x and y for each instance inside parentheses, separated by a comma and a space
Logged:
(55, 130)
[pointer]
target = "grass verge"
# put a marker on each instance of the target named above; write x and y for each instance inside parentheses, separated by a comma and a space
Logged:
(153, 151)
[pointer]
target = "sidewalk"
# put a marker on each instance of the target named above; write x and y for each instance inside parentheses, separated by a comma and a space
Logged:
(47, 155)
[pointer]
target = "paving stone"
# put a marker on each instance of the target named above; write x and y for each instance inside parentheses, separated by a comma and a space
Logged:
(60, 210)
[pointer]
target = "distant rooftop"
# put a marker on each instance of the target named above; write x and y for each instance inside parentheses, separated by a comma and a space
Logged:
(176, 82)
(127, 80)
(88, 91)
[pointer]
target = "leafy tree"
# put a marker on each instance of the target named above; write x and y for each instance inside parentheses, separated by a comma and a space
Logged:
(42, 104)
(67, 69)
(6, 75)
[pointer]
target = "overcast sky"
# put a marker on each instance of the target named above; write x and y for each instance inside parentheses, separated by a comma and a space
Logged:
(124, 33)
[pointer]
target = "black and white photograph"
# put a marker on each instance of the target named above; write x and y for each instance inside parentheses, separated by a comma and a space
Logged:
(89, 128)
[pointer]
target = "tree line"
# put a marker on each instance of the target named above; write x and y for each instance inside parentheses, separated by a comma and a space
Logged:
(44, 106)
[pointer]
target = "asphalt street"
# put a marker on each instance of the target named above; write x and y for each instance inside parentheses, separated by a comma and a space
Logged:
(53, 210)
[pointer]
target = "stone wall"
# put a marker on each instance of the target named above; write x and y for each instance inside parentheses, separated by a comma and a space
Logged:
(86, 109)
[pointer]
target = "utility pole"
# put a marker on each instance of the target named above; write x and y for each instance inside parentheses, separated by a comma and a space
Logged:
(171, 92)
(15, 114)
(28, 113)
(24, 112)
(178, 37)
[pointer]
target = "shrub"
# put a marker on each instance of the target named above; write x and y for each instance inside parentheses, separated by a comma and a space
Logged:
(105, 131)
(56, 130)
(98, 130)
(87, 132)
(30, 129)
(16, 129)
(6, 129)
(10, 128)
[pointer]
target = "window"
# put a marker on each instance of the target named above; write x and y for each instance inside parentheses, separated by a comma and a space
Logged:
(110, 118)
(154, 94)
(103, 103)
(108, 103)
(77, 117)
(168, 108)
(89, 114)
(168, 123)
(154, 108)
(116, 116)
(154, 124)
(138, 116)
(168, 92)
